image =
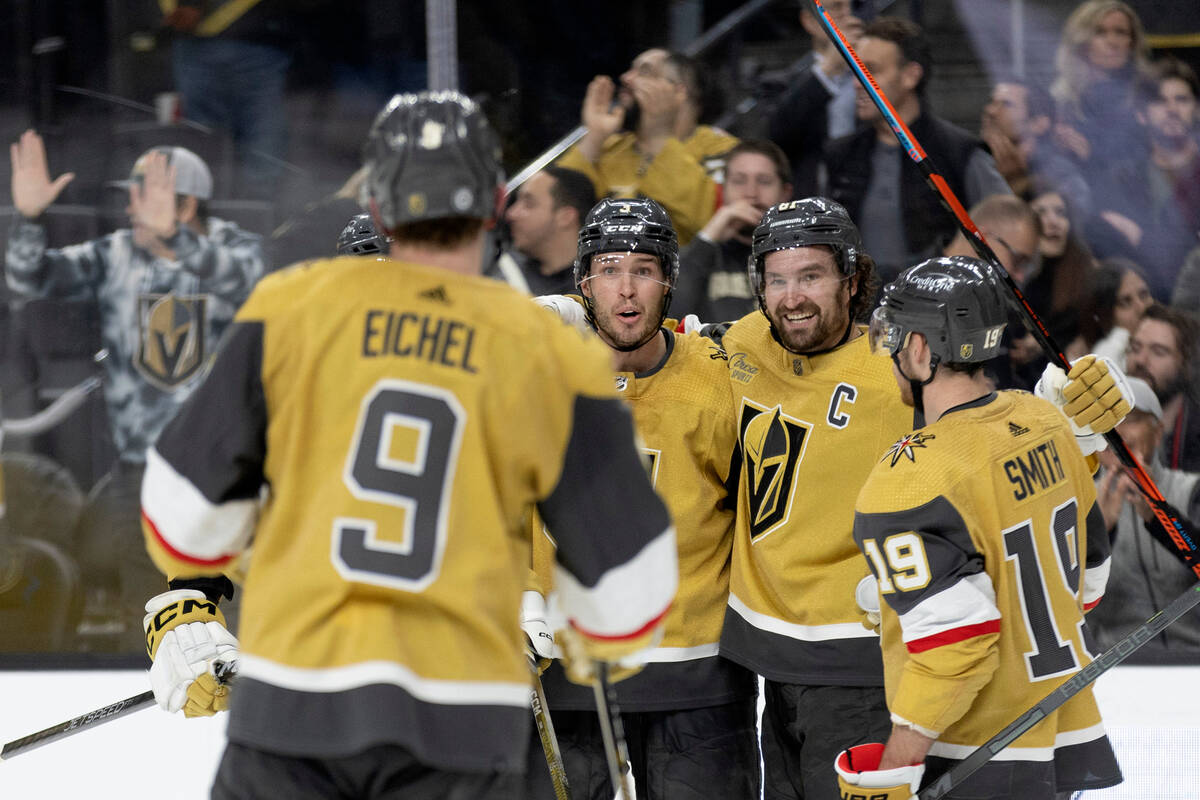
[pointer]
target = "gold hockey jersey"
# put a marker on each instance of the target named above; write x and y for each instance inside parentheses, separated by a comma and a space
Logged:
(684, 420)
(378, 431)
(682, 177)
(984, 533)
(810, 430)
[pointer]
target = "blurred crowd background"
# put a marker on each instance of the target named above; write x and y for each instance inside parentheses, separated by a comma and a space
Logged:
(1087, 121)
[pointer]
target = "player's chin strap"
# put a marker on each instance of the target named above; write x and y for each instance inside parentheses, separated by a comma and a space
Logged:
(918, 387)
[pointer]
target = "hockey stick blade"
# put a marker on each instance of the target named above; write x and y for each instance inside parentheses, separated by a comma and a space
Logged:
(1173, 532)
(225, 672)
(1065, 691)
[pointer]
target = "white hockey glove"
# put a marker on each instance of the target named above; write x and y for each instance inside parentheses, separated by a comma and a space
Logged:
(858, 775)
(569, 310)
(186, 639)
(866, 594)
(1094, 396)
(539, 641)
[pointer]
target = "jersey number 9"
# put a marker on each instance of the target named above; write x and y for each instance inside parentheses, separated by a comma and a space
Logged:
(417, 481)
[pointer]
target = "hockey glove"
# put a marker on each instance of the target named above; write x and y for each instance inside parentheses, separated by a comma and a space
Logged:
(866, 595)
(625, 657)
(859, 778)
(539, 641)
(568, 309)
(1094, 396)
(186, 637)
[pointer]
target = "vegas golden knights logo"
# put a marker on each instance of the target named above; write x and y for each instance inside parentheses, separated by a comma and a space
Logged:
(773, 446)
(170, 338)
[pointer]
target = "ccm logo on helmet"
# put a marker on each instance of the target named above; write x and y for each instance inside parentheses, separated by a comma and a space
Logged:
(623, 228)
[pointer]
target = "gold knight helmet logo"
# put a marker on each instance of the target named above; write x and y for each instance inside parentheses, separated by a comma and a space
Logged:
(170, 338)
(772, 444)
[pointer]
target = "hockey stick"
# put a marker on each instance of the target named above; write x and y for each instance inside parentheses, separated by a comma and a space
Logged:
(1173, 533)
(1068, 689)
(545, 728)
(620, 771)
(225, 672)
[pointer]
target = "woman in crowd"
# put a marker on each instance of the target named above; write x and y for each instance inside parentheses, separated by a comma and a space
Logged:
(1101, 55)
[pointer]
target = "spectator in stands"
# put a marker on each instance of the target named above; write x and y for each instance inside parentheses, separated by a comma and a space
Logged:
(1058, 287)
(819, 104)
(1155, 201)
(713, 283)
(1145, 575)
(166, 288)
(902, 221)
(1100, 56)
(1112, 309)
(1011, 228)
(1164, 351)
(544, 221)
(650, 142)
(1017, 125)
(230, 61)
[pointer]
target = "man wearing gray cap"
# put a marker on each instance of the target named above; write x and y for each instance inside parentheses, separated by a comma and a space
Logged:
(1145, 576)
(166, 288)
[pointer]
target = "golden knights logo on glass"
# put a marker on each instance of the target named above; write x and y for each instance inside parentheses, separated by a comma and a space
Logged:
(773, 445)
(170, 338)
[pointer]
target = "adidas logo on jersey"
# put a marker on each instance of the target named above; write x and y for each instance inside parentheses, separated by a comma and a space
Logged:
(1017, 430)
(437, 294)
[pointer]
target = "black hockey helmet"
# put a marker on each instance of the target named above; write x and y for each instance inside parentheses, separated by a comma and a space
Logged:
(956, 302)
(632, 225)
(628, 225)
(429, 156)
(359, 238)
(804, 223)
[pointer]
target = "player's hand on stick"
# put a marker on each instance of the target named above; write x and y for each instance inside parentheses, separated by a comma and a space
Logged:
(539, 641)
(625, 657)
(859, 776)
(1094, 396)
(187, 639)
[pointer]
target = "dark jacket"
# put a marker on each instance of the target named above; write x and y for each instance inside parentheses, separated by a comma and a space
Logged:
(926, 222)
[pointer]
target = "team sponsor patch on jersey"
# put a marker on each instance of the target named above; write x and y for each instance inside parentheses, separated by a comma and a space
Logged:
(740, 369)
(170, 338)
(907, 447)
(773, 444)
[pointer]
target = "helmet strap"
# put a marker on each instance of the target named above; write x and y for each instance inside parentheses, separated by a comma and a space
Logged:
(917, 387)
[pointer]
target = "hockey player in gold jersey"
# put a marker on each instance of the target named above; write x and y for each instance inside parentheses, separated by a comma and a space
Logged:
(983, 531)
(814, 410)
(689, 715)
(378, 431)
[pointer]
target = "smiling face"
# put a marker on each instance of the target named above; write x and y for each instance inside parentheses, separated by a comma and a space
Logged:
(1133, 298)
(896, 79)
(807, 298)
(626, 291)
